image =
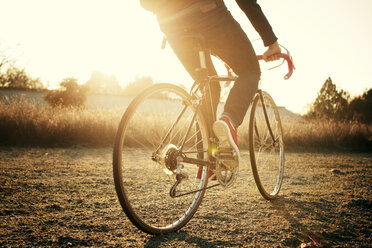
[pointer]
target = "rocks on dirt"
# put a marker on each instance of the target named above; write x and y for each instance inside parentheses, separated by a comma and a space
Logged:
(336, 171)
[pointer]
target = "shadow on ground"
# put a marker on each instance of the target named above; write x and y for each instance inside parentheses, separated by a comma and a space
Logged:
(157, 241)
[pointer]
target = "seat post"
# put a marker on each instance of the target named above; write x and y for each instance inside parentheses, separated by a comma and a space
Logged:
(202, 59)
(202, 52)
(202, 71)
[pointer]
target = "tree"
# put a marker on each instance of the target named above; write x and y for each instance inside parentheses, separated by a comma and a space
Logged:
(103, 84)
(70, 94)
(330, 103)
(139, 84)
(361, 107)
(4, 61)
(18, 79)
(14, 77)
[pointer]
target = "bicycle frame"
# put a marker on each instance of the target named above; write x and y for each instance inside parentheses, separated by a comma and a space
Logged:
(189, 153)
(201, 87)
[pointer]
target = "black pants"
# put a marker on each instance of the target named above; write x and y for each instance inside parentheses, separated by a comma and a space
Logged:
(225, 39)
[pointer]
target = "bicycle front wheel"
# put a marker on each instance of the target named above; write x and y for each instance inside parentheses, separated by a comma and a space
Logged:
(266, 145)
(160, 127)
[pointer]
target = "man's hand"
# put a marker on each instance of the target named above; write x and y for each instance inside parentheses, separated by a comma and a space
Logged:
(273, 49)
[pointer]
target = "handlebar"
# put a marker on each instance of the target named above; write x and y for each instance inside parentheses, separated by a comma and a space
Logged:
(289, 60)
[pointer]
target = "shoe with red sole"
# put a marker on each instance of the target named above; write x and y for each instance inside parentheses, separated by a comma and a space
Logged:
(228, 138)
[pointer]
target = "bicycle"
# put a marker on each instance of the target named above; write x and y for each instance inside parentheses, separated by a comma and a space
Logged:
(164, 151)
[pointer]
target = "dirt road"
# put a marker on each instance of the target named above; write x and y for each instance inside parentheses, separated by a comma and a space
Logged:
(66, 197)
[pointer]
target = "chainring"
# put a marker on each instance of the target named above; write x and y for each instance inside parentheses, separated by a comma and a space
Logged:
(225, 175)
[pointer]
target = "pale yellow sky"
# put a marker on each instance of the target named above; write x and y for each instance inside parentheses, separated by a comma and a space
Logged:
(55, 39)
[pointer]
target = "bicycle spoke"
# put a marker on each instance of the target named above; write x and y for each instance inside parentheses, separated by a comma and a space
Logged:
(185, 125)
(148, 147)
(142, 144)
(196, 144)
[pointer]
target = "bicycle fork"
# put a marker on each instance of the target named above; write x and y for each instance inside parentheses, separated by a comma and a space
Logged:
(266, 119)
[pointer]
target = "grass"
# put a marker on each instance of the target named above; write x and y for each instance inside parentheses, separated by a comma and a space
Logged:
(328, 135)
(25, 123)
(320, 135)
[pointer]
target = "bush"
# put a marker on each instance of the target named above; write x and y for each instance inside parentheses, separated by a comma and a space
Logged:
(70, 94)
(16, 78)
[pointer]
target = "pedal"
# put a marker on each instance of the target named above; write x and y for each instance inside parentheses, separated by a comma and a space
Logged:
(225, 149)
(227, 158)
(225, 154)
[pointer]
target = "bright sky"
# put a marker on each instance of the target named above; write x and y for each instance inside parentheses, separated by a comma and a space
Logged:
(56, 39)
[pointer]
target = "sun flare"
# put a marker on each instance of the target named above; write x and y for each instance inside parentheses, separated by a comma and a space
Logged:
(59, 39)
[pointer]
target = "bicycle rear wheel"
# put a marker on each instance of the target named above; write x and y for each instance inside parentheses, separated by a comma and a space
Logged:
(148, 143)
(266, 145)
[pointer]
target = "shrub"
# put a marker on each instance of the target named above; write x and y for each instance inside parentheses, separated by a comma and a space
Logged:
(70, 94)
(16, 78)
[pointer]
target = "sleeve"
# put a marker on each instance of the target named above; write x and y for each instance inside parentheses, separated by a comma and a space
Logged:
(259, 21)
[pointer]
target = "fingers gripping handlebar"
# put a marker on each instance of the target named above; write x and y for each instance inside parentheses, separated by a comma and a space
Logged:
(287, 58)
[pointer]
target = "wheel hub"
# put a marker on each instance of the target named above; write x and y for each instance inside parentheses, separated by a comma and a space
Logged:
(168, 157)
(171, 159)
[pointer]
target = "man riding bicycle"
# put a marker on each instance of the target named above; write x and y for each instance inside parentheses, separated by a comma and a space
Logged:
(225, 39)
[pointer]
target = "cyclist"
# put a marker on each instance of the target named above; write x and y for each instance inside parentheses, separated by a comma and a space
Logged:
(226, 40)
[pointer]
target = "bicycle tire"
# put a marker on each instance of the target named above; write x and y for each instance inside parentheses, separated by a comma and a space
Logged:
(143, 185)
(267, 154)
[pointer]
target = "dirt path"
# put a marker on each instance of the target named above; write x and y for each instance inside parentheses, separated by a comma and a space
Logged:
(65, 197)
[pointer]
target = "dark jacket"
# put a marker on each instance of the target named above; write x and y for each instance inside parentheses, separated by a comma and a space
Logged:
(249, 7)
(259, 21)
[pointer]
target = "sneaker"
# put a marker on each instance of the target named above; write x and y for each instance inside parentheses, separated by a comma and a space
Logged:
(228, 138)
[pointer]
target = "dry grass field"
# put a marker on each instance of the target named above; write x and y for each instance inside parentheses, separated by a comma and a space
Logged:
(26, 123)
(64, 197)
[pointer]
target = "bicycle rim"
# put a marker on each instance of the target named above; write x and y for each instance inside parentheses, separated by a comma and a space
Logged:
(266, 146)
(155, 125)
